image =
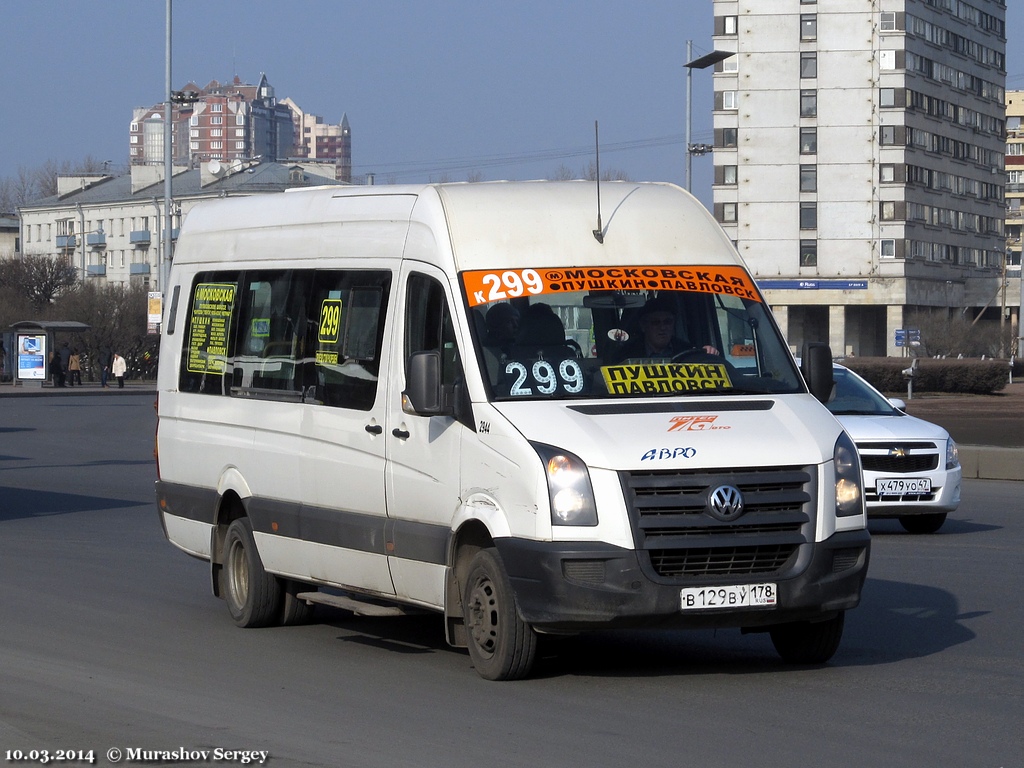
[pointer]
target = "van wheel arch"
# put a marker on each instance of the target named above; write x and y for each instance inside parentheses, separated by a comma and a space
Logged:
(463, 546)
(231, 508)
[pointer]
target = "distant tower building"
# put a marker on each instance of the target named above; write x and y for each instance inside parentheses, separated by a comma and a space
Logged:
(859, 160)
(317, 140)
(231, 121)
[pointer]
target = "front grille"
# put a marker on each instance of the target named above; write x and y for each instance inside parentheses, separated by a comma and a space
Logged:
(898, 458)
(871, 495)
(678, 538)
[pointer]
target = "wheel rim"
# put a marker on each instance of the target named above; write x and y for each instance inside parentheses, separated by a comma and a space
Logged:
(238, 573)
(483, 615)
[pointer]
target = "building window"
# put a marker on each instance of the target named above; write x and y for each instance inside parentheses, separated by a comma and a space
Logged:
(887, 60)
(887, 173)
(727, 213)
(887, 210)
(216, 120)
(729, 100)
(730, 25)
(808, 178)
(887, 135)
(808, 253)
(217, 132)
(732, 64)
(808, 141)
(239, 145)
(888, 21)
(239, 119)
(808, 215)
(887, 249)
(727, 137)
(809, 64)
(887, 97)
(729, 175)
(216, 107)
(808, 26)
(808, 103)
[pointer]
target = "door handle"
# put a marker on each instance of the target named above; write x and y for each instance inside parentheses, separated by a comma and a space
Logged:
(374, 429)
(402, 434)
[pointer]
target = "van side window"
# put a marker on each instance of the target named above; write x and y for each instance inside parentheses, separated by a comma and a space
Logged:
(345, 333)
(209, 333)
(271, 332)
(428, 325)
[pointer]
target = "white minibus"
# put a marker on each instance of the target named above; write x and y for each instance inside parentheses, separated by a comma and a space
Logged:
(535, 408)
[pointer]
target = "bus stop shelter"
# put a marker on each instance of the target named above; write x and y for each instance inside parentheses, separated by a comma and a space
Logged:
(28, 346)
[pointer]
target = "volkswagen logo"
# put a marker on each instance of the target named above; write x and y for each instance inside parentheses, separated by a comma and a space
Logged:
(725, 503)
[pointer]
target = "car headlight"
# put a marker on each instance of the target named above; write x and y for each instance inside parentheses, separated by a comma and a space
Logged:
(952, 454)
(849, 483)
(569, 488)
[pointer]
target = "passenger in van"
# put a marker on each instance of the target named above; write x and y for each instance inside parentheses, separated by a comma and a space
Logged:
(502, 326)
(657, 338)
(540, 328)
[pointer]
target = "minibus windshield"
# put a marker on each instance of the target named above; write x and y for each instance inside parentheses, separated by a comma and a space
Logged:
(625, 332)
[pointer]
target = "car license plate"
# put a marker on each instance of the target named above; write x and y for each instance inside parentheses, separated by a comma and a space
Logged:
(745, 595)
(900, 486)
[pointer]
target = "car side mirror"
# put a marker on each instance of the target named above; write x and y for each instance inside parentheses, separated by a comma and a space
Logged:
(423, 395)
(816, 367)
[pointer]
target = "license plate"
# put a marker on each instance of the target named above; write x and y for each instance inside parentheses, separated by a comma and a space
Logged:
(745, 595)
(900, 486)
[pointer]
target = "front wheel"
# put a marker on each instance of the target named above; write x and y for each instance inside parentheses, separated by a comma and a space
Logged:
(804, 642)
(501, 645)
(929, 523)
(253, 595)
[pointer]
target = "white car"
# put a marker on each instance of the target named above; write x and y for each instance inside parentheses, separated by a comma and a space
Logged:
(911, 467)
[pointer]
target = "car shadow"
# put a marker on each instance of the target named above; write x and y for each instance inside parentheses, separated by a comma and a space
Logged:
(16, 503)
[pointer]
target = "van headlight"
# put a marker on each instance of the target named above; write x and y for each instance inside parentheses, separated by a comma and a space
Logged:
(849, 482)
(569, 489)
(952, 454)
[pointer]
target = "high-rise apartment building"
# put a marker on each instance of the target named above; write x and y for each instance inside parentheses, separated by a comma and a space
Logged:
(859, 160)
(238, 121)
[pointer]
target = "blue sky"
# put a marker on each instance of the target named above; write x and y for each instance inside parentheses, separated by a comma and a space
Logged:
(432, 89)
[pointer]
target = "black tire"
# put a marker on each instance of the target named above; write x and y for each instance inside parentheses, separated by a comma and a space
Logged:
(501, 645)
(253, 595)
(804, 642)
(929, 523)
(295, 611)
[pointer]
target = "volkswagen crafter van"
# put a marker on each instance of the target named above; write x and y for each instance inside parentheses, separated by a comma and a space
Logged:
(444, 398)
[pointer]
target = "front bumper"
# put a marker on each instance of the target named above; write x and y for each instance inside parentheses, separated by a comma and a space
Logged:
(945, 496)
(567, 587)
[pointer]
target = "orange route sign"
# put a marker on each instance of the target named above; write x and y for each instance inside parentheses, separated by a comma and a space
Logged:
(485, 286)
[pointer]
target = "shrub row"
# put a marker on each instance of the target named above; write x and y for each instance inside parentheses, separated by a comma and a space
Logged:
(968, 376)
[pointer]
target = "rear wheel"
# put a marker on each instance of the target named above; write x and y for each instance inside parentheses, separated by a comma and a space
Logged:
(804, 642)
(253, 595)
(501, 645)
(923, 523)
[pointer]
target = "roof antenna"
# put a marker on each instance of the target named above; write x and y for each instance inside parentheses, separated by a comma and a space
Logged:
(599, 232)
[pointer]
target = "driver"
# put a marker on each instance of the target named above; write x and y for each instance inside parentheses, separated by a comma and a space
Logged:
(657, 337)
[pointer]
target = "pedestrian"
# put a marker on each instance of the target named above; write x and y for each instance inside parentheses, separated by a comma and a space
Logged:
(104, 366)
(56, 370)
(65, 360)
(75, 368)
(118, 367)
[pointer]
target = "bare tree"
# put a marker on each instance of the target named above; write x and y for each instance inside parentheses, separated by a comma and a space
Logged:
(39, 279)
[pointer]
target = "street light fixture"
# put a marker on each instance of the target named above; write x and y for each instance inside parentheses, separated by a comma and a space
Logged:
(701, 62)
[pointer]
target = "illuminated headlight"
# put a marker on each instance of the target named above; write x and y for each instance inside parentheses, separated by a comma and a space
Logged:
(569, 489)
(952, 454)
(849, 485)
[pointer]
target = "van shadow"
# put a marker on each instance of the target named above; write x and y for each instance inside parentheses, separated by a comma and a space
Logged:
(16, 503)
(895, 621)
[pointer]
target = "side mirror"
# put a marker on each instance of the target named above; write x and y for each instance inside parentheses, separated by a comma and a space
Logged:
(816, 367)
(423, 393)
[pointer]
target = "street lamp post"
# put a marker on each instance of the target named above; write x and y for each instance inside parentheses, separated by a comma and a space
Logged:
(701, 62)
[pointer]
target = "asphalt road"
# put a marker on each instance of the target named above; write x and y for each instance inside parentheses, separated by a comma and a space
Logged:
(110, 639)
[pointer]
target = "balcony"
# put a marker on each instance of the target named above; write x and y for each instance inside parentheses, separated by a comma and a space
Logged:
(138, 269)
(96, 270)
(96, 240)
(66, 242)
(140, 237)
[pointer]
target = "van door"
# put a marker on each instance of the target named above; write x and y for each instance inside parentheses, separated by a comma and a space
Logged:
(344, 511)
(423, 452)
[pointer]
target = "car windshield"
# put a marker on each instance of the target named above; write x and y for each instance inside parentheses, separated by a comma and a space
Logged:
(625, 332)
(855, 397)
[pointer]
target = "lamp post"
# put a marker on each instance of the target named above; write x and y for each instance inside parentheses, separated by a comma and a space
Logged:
(701, 62)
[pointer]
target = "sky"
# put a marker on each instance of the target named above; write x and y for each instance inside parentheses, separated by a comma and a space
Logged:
(433, 89)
